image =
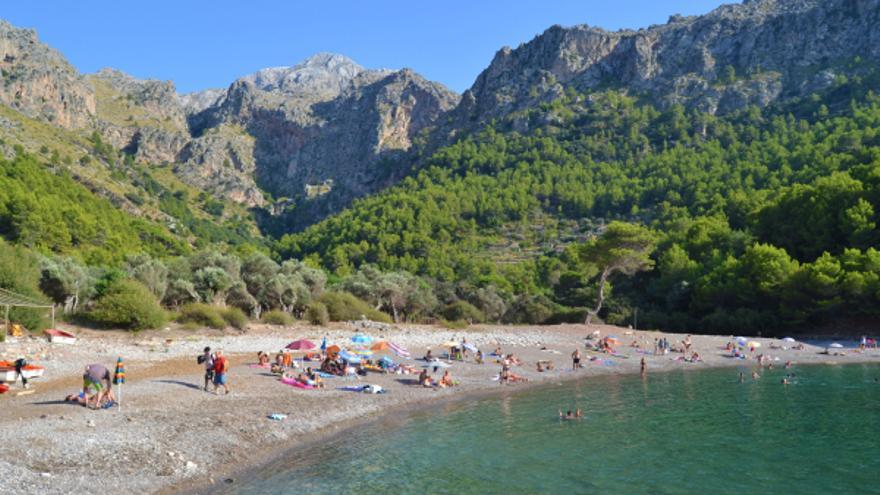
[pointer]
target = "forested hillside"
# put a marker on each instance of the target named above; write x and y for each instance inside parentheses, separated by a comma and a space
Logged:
(766, 219)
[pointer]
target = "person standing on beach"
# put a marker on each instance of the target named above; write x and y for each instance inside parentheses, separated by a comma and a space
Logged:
(20, 363)
(221, 368)
(207, 359)
(644, 367)
(576, 359)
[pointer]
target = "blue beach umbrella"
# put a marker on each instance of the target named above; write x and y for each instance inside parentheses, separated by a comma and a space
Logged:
(362, 339)
(351, 358)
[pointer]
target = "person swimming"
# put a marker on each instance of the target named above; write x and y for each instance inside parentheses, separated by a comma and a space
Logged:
(569, 415)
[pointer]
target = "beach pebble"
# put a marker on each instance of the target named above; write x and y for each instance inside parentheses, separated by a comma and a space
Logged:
(91, 423)
(46, 475)
(190, 466)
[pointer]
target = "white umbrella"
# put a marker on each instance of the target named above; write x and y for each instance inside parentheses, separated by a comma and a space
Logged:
(788, 339)
(754, 344)
(836, 345)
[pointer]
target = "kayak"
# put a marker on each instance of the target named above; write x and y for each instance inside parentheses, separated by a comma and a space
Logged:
(59, 336)
(8, 374)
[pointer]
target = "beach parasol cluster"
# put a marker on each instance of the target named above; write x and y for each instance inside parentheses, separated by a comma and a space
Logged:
(360, 347)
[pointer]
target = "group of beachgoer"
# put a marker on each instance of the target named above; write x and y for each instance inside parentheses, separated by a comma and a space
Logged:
(445, 381)
(97, 390)
(661, 346)
(507, 375)
(308, 377)
(216, 370)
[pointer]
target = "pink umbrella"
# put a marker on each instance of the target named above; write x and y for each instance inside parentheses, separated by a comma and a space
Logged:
(301, 345)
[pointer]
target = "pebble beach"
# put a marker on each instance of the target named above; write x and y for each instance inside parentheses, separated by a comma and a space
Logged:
(169, 436)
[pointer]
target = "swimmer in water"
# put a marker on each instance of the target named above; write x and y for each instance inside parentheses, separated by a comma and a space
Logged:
(785, 381)
(741, 377)
(570, 415)
(755, 375)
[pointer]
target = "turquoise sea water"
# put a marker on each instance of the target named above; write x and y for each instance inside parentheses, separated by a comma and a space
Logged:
(674, 433)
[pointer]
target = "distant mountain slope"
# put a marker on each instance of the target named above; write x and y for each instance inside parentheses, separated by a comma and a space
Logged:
(327, 120)
(757, 53)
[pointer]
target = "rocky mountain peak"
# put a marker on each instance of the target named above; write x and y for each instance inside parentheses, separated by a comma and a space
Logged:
(39, 82)
(737, 55)
(321, 76)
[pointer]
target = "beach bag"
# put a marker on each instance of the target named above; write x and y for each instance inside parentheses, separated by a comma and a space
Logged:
(201, 359)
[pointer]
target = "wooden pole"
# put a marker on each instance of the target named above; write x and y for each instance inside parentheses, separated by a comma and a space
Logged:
(6, 324)
(53, 316)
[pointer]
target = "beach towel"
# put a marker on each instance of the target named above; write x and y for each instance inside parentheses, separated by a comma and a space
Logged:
(294, 383)
(262, 366)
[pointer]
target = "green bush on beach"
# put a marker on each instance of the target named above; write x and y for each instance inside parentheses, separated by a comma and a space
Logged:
(234, 317)
(317, 314)
(463, 310)
(454, 324)
(127, 304)
(343, 306)
(276, 317)
(201, 314)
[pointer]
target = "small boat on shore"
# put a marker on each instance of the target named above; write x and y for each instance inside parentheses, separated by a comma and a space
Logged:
(60, 336)
(8, 374)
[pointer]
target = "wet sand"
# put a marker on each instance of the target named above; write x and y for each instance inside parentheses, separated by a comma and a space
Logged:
(170, 436)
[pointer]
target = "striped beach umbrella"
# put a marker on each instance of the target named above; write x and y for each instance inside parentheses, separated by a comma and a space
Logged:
(119, 375)
(119, 379)
(399, 350)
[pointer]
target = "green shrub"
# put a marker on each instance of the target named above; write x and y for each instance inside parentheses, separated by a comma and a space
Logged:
(276, 317)
(454, 325)
(463, 310)
(317, 314)
(201, 314)
(127, 304)
(234, 317)
(343, 306)
(567, 315)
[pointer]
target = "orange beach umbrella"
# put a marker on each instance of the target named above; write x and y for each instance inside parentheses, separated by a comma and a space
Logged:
(380, 346)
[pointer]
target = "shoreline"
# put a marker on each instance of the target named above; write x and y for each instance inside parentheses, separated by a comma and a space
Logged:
(177, 439)
(266, 460)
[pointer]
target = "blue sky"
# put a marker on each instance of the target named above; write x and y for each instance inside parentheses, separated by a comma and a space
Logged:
(205, 44)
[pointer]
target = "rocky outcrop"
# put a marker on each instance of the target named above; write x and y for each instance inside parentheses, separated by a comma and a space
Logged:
(328, 119)
(37, 81)
(222, 161)
(198, 101)
(753, 53)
